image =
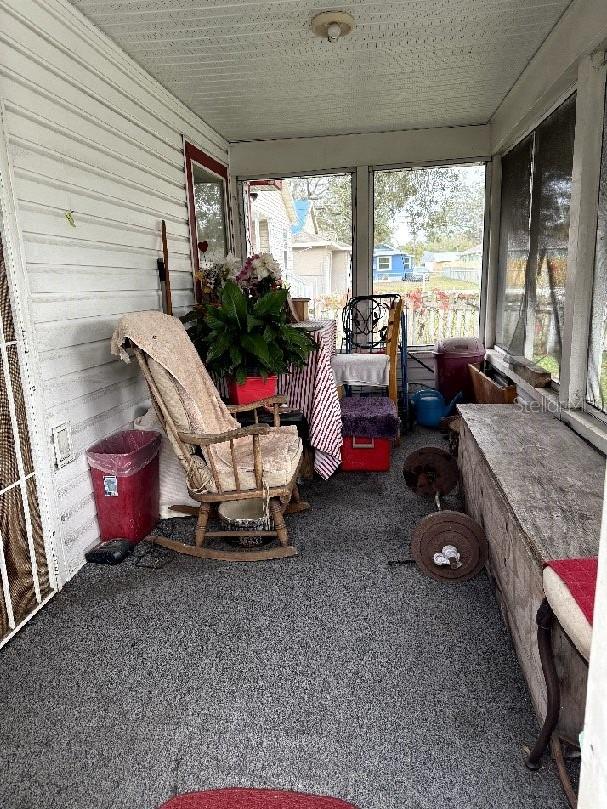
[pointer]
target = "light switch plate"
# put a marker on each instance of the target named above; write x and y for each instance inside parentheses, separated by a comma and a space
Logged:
(62, 444)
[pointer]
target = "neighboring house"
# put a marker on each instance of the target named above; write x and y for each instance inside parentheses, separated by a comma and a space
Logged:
(439, 261)
(322, 266)
(390, 263)
(271, 217)
(468, 266)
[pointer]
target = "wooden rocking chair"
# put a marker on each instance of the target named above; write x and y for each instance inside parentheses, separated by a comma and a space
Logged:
(222, 460)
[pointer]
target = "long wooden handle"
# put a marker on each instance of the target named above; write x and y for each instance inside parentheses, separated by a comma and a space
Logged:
(167, 278)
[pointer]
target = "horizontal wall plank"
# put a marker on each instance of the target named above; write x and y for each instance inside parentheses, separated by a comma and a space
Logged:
(76, 39)
(53, 307)
(112, 279)
(53, 195)
(77, 385)
(51, 169)
(53, 223)
(77, 252)
(37, 134)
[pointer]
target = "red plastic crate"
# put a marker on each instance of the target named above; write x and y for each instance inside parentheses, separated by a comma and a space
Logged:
(362, 454)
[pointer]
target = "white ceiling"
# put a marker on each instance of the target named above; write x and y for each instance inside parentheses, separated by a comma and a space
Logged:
(254, 69)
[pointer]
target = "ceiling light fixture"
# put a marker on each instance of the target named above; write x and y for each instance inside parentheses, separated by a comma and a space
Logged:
(332, 25)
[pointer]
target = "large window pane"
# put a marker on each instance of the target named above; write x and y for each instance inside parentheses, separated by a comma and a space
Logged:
(553, 164)
(597, 354)
(534, 237)
(428, 247)
(514, 246)
(306, 224)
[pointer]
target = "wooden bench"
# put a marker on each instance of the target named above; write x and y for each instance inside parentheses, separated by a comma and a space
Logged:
(537, 489)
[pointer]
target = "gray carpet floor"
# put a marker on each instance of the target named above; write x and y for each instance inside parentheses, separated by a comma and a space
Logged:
(333, 673)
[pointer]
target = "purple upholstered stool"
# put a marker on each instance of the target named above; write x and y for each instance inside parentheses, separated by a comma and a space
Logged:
(369, 425)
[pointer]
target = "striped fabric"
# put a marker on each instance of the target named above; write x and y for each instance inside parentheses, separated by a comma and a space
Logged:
(312, 390)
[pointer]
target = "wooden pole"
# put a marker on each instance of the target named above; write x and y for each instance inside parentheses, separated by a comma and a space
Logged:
(163, 272)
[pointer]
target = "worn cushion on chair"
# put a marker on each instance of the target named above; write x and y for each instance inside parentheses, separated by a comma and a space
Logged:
(372, 370)
(281, 451)
(569, 586)
(369, 416)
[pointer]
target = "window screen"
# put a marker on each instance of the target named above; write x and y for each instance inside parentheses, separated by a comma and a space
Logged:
(514, 246)
(597, 354)
(534, 236)
(549, 238)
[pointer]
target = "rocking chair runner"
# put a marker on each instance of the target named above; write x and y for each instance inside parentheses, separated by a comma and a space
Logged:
(222, 460)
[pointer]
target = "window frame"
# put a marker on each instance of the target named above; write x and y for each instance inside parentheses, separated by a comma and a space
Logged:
(384, 269)
(193, 154)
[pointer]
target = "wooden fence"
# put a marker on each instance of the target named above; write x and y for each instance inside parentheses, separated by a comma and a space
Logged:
(431, 323)
(425, 325)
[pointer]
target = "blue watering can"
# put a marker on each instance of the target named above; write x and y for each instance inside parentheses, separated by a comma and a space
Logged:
(430, 407)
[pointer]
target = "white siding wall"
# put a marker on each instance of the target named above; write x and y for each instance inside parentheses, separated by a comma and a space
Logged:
(270, 206)
(90, 131)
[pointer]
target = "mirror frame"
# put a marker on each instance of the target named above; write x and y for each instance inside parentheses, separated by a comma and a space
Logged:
(195, 155)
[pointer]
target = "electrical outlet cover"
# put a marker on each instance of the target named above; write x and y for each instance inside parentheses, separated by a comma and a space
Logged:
(62, 444)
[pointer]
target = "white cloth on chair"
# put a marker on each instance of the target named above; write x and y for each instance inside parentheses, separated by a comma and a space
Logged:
(372, 370)
(173, 483)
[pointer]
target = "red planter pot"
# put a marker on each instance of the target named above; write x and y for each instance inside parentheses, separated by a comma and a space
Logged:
(252, 389)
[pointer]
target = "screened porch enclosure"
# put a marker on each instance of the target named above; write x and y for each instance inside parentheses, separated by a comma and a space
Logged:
(229, 196)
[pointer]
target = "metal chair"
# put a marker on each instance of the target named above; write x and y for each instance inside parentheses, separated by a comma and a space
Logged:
(365, 322)
(370, 347)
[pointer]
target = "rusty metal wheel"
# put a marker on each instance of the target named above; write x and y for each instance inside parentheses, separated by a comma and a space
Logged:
(430, 471)
(449, 546)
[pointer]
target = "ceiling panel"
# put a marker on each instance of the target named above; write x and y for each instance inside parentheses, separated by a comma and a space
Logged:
(254, 69)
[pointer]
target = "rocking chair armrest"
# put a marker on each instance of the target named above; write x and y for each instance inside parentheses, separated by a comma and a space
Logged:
(207, 440)
(271, 400)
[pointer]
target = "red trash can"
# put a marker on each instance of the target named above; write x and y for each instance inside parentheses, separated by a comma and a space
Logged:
(452, 357)
(124, 470)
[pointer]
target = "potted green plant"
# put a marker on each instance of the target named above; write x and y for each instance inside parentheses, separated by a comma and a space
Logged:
(247, 339)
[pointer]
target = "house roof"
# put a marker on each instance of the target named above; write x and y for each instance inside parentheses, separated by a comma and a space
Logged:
(386, 250)
(302, 211)
(476, 250)
(304, 241)
(441, 256)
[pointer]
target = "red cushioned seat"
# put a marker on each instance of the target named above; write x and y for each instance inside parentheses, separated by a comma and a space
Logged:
(253, 799)
(570, 585)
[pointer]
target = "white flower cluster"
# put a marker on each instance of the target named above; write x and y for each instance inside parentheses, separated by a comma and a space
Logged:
(221, 270)
(262, 265)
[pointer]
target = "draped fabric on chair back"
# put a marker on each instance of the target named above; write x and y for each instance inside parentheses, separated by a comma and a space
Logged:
(182, 391)
(164, 339)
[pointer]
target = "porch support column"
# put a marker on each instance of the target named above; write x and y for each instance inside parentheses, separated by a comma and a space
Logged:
(491, 252)
(593, 777)
(590, 106)
(363, 231)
